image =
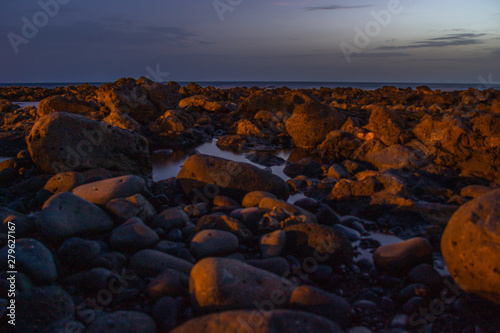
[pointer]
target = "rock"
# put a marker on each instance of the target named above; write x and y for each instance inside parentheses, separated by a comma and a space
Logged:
(265, 158)
(252, 199)
(320, 242)
(272, 244)
(150, 263)
(213, 243)
(269, 203)
(24, 224)
(254, 321)
(163, 96)
(310, 123)
(305, 167)
(59, 103)
(258, 101)
(202, 103)
(66, 215)
(66, 142)
(277, 265)
(250, 217)
(223, 201)
(31, 258)
(217, 283)
(101, 192)
(338, 146)
(170, 283)
(246, 128)
(133, 236)
(202, 175)
(87, 251)
(337, 172)
(123, 209)
(387, 125)
(470, 246)
(123, 121)
(475, 191)
(170, 218)
(218, 221)
(396, 157)
(166, 313)
(427, 275)
(400, 258)
(126, 97)
(64, 182)
(41, 307)
(327, 216)
(322, 303)
(123, 321)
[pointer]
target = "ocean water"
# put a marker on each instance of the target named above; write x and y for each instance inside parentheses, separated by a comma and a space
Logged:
(293, 85)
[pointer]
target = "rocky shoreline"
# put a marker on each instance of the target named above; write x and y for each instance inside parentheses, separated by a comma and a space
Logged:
(101, 247)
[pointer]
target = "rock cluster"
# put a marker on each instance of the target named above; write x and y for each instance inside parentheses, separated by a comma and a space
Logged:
(225, 246)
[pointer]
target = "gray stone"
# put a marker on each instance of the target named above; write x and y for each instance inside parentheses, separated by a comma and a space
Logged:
(123, 321)
(66, 215)
(150, 263)
(272, 244)
(101, 192)
(400, 258)
(123, 209)
(213, 243)
(133, 236)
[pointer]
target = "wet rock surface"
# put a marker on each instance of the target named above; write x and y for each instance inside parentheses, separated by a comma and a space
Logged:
(383, 218)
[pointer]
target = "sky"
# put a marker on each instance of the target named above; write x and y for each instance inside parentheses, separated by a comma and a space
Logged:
(434, 41)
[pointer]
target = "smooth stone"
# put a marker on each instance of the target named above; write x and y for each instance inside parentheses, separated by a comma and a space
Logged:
(100, 192)
(322, 303)
(41, 307)
(400, 258)
(272, 244)
(277, 265)
(85, 250)
(64, 182)
(219, 283)
(351, 234)
(327, 216)
(166, 313)
(470, 245)
(123, 321)
(213, 243)
(123, 209)
(359, 329)
(223, 201)
(169, 247)
(323, 243)
(308, 204)
(232, 179)
(249, 216)
(412, 290)
(337, 172)
(253, 199)
(150, 263)
(66, 215)
(31, 258)
(170, 218)
(99, 278)
(428, 275)
(24, 224)
(133, 236)
(413, 305)
(253, 321)
(170, 283)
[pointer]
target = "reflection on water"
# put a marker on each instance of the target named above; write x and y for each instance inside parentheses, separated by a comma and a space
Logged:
(166, 166)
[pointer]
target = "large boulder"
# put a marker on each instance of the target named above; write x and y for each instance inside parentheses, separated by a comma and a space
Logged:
(388, 125)
(66, 142)
(203, 177)
(202, 103)
(127, 97)
(259, 322)
(62, 104)
(471, 246)
(310, 123)
(221, 284)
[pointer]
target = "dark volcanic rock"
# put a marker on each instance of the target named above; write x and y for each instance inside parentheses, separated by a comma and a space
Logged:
(66, 142)
(203, 175)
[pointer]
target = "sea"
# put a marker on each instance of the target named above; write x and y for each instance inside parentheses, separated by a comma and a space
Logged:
(294, 85)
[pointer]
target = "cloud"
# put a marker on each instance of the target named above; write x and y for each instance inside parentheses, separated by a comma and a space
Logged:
(335, 7)
(444, 41)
